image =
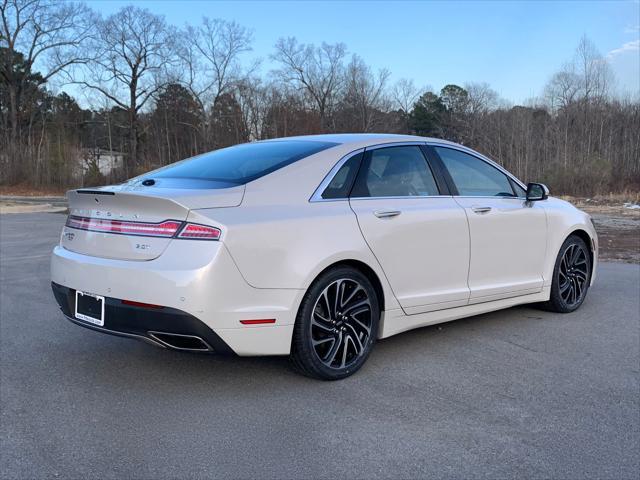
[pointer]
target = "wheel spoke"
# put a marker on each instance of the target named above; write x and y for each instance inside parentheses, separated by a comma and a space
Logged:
(357, 343)
(576, 254)
(578, 288)
(346, 302)
(325, 299)
(581, 275)
(361, 303)
(361, 324)
(323, 327)
(563, 264)
(339, 292)
(323, 341)
(331, 355)
(345, 350)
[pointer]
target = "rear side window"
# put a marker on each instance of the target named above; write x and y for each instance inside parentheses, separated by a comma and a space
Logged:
(395, 172)
(340, 184)
(242, 163)
(474, 177)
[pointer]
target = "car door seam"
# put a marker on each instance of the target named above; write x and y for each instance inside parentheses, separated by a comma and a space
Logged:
(466, 216)
(374, 256)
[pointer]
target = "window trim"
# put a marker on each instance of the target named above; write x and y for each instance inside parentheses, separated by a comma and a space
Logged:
(433, 161)
(317, 194)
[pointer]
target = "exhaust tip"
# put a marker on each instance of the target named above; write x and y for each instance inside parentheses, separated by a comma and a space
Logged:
(178, 341)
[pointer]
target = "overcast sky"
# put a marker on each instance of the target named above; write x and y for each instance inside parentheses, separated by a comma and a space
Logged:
(514, 46)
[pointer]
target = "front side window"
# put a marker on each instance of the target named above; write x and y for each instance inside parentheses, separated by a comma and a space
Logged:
(520, 192)
(474, 177)
(242, 163)
(395, 172)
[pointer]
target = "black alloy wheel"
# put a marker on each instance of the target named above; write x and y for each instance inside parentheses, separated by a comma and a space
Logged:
(571, 276)
(336, 326)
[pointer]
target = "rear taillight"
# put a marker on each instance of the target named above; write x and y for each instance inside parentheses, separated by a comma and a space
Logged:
(199, 232)
(166, 229)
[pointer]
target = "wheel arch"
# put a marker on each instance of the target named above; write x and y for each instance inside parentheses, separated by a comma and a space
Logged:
(584, 235)
(366, 270)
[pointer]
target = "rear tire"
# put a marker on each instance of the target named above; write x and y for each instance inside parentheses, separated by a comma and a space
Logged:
(336, 326)
(571, 276)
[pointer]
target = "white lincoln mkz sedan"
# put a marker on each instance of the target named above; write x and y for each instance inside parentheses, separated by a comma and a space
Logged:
(315, 247)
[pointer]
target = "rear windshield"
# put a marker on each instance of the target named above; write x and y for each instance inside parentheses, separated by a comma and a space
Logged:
(242, 163)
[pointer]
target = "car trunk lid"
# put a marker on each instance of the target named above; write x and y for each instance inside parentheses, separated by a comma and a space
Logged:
(131, 222)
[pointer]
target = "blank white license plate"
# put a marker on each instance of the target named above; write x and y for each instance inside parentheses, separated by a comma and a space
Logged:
(90, 308)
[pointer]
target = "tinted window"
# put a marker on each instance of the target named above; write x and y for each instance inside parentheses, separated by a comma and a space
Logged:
(395, 172)
(520, 192)
(242, 163)
(474, 177)
(341, 183)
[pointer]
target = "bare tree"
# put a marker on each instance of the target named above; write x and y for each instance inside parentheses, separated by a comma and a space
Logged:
(210, 57)
(42, 33)
(365, 93)
(595, 72)
(481, 98)
(131, 50)
(253, 98)
(563, 88)
(316, 70)
(405, 94)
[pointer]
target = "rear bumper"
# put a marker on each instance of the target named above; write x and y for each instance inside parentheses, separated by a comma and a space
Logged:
(197, 283)
(157, 326)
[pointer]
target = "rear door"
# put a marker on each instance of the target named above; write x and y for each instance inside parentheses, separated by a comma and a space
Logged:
(508, 234)
(418, 233)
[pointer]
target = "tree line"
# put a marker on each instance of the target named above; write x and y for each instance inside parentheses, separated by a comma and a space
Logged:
(158, 94)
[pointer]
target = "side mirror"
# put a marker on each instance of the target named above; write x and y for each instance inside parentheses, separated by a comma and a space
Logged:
(536, 192)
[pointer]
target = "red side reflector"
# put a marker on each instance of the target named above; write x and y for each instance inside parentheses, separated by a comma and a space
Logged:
(140, 304)
(258, 322)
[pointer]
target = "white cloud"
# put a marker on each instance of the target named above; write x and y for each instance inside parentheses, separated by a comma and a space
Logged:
(632, 46)
(632, 29)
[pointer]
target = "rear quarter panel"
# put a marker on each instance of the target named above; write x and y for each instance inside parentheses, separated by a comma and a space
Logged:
(279, 239)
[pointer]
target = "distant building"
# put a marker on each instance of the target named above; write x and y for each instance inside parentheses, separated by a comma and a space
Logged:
(107, 162)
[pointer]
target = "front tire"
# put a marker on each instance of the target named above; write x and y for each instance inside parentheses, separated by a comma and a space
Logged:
(336, 326)
(571, 276)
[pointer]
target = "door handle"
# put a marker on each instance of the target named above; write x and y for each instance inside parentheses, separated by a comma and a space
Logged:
(481, 209)
(387, 213)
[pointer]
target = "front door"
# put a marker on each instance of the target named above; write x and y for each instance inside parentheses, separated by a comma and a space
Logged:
(508, 234)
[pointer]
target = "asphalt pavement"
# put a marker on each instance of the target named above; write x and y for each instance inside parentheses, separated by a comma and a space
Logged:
(519, 393)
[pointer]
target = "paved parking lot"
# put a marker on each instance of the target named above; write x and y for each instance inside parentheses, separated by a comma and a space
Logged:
(517, 393)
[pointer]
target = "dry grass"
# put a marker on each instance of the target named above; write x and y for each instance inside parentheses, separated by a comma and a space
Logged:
(25, 190)
(611, 199)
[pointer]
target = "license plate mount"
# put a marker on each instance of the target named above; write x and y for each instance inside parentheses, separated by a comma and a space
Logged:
(90, 308)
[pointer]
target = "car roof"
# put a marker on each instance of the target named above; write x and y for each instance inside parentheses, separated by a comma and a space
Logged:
(362, 139)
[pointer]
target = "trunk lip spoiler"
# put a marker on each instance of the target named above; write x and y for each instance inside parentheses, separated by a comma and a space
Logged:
(95, 192)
